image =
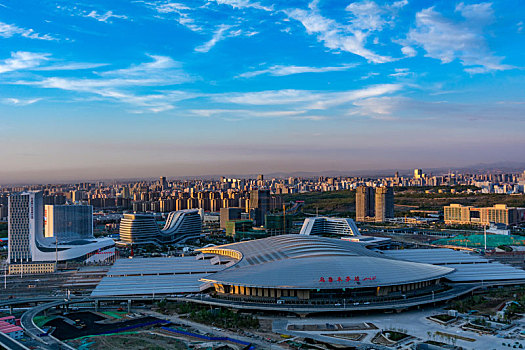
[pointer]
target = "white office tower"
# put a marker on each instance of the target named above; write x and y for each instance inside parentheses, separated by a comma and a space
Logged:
(31, 252)
(68, 222)
(25, 224)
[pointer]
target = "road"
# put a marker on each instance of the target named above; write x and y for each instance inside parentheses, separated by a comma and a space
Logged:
(11, 344)
(47, 341)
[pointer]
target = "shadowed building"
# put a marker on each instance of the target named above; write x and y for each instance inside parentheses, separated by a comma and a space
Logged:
(364, 203)
(259, 205)
(384, 204)
(228, 214)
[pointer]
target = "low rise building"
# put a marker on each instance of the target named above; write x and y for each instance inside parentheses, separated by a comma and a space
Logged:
(468, 215)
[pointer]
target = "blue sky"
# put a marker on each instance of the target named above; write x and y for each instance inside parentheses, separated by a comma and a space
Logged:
(111, 89)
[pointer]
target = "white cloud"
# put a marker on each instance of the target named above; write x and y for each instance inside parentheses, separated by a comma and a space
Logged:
(408, 51)
(480, 13)
(168, 7)
(104, 17)
(9, 30)
(181, 12)
(399, 4)
(70, 66)
(306, 99)
(377, 107)
(245, 113)
(161, 69)
(367, 15)
(19, 102)
(447, 40)
(119, 84)
(220, 34)
(243, 4)
(340, 98)
(280, 70)
(401, 72)
(369, 75)
(271, 97)
(22, 60)
(334, 35)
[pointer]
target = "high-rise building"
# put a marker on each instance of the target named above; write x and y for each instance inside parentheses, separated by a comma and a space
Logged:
(68, 222)
(228, 214)
(384, 204)
(25, 224)
(163, 183)
(78, 196)
(364, 203)
(259, 205)
(418, 173)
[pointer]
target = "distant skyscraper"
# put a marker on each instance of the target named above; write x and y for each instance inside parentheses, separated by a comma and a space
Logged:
(259, 205)
(77, 196)
(163, 182)
(418, 173)
(364, 203)
(384, 203)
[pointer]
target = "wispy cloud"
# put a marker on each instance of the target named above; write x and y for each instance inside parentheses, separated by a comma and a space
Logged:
(400, 107)
(222, 32)
(70, 66)
(280, 70)
(180, 11)
(306, 99)
(19, 102)
(336, 36)
(162, 70)
(369, 75)
(401, 72)
(120, 84)
(105, 17)
(245, 113)
(22, 60)
(10, 30)
(243, 4)
(447, 40)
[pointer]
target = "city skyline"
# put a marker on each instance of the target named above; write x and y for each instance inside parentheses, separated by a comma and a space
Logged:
(130, 90)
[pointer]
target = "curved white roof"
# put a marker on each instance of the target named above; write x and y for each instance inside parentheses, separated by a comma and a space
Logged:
(312, 262)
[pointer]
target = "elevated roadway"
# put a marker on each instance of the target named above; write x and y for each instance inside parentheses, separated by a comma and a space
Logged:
(47, 341)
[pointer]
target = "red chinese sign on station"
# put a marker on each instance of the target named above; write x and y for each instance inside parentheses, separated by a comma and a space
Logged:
(347, 279)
